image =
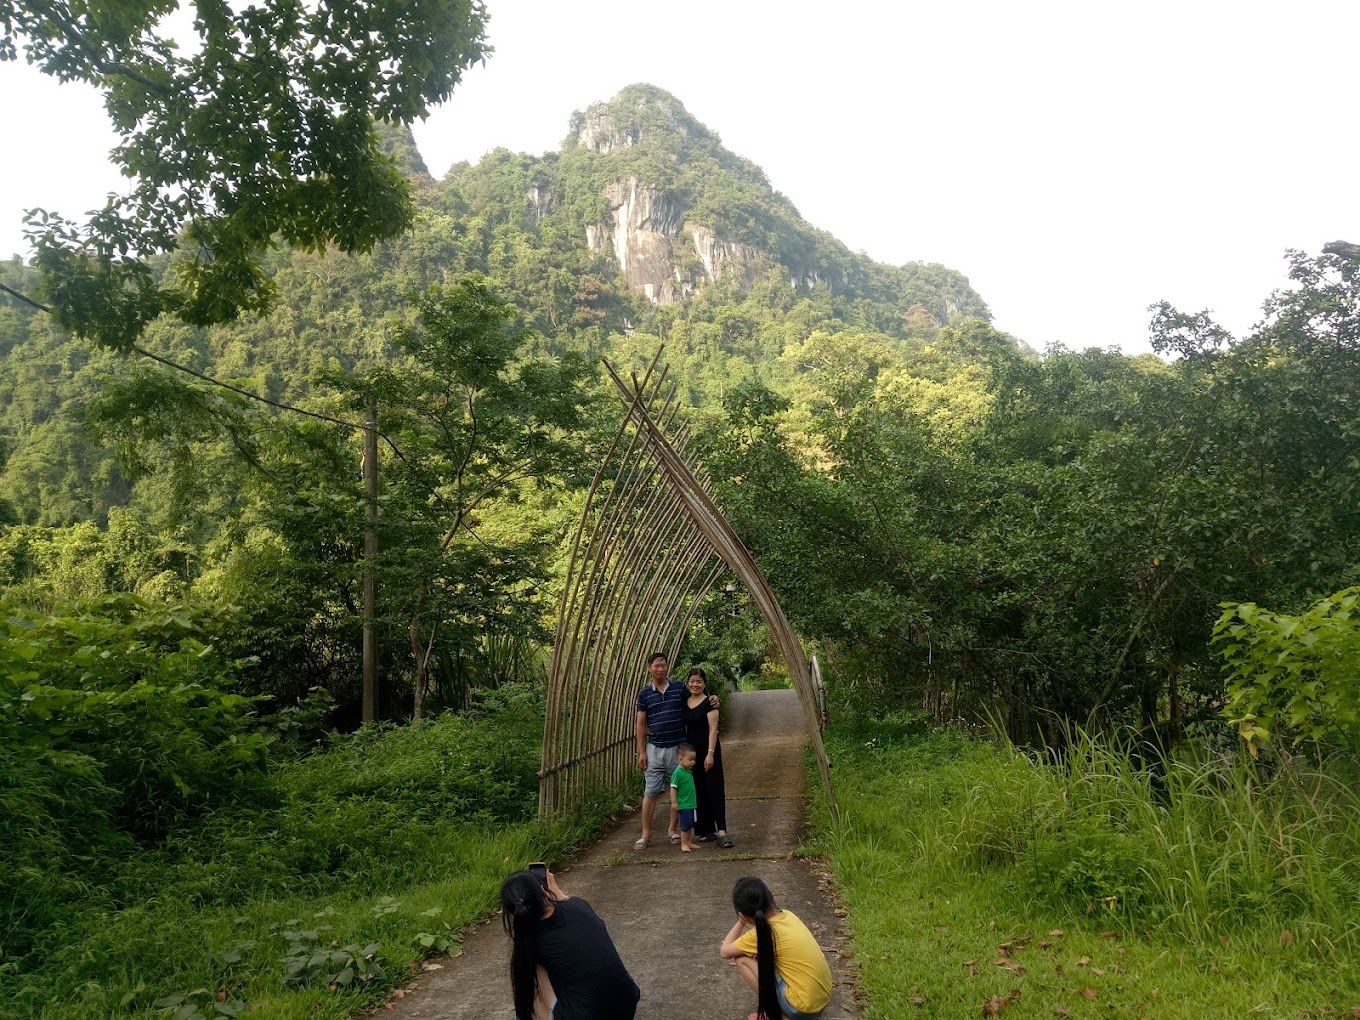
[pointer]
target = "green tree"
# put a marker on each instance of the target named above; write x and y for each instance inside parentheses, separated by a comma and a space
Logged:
(262, 129)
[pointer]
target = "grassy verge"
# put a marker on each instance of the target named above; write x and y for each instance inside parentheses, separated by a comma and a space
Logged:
(369, 857)
(980, 882)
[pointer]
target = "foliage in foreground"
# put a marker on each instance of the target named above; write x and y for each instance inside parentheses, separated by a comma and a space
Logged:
(980, 880)
(372, 854)
(1296, 676)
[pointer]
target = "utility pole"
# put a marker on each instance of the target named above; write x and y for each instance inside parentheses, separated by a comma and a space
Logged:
(370, 691)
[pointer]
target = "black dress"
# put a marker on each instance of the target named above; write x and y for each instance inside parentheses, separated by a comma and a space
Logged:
(587, 975)
(708, 784)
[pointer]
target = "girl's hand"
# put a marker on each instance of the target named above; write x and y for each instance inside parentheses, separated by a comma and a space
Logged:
(708, 761)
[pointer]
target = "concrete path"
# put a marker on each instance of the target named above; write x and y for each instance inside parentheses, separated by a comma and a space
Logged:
(668, 911)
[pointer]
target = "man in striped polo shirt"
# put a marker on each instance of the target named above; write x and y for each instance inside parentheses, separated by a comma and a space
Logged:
(660, 729)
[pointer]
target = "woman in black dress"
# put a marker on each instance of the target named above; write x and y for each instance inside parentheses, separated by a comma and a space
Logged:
(701, 731)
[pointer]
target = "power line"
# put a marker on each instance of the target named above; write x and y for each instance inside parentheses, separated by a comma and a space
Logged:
(216, 382)
(419, 473)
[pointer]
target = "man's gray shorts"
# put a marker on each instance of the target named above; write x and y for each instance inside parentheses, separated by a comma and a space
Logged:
(661, 765)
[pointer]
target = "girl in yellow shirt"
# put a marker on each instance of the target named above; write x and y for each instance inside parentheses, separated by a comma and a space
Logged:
(777, 955)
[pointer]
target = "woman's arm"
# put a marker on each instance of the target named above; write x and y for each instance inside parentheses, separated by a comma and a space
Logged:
(712, 739)
(556, 890)
(729, 950)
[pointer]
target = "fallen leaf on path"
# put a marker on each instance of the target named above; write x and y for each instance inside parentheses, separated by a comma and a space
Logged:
(1060, 1010)
(1088, 992)
(994, 1006)
(788, 856)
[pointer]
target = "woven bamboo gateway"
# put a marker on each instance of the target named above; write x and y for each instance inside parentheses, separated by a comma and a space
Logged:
(650, 545)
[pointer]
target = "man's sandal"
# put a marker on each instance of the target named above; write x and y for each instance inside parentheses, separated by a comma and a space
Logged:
(641, 843)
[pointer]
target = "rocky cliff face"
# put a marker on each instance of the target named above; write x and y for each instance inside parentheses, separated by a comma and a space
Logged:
(659, 253)
(656, 191)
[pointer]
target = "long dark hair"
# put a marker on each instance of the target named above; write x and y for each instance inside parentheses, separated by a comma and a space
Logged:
(752, 897)
(522, 905)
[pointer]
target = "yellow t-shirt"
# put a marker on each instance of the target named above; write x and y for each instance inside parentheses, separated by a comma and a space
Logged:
(797, 958)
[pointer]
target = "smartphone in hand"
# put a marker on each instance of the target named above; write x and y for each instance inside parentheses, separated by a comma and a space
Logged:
(540, 871)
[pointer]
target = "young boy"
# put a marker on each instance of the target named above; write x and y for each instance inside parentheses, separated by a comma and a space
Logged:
(683, 797)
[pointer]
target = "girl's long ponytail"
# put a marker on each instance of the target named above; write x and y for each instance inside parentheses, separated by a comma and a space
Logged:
(522, 906)
(767, 996)
(752, 897)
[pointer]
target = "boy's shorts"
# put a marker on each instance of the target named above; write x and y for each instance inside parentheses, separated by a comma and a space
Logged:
(686, 822)
(661, 765)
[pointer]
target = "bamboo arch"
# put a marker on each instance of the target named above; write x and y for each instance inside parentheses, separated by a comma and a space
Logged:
(651, 543)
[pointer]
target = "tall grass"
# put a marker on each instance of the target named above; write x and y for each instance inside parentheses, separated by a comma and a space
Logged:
(981, 876)
(1192, 843)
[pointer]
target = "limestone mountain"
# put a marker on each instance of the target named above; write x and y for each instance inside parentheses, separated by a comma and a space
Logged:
(643, 184)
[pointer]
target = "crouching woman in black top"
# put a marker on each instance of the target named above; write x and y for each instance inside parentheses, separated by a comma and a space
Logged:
(563, 965)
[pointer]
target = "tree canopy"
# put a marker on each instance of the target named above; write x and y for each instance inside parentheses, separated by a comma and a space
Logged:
(261, 129)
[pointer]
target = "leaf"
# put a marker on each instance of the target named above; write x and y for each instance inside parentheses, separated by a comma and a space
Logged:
(1288, 939)
(1088, 992)
(1060, 1010)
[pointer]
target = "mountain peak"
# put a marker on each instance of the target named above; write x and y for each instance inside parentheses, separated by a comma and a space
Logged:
(639, 111)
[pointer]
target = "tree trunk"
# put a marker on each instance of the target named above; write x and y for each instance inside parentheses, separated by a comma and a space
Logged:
(370, 649)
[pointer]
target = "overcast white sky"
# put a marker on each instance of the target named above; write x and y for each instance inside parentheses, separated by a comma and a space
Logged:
(1077, 161)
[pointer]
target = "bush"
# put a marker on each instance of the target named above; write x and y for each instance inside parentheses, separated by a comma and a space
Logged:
(117, 723)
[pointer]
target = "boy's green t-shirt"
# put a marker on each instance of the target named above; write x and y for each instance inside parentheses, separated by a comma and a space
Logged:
(684, 789)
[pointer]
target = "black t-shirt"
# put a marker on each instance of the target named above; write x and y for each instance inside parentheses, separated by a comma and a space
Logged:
(696, 727)
(587, 975)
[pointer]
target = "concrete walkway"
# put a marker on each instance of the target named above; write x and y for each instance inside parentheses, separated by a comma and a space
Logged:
(668, 911)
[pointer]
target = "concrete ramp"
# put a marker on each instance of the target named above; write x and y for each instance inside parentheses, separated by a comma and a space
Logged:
(667, 911)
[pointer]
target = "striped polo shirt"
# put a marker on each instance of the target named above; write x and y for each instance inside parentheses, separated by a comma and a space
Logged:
(665, 713)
